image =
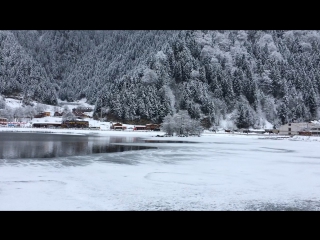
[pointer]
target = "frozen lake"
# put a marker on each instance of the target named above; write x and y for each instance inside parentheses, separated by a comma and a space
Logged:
(213, 172)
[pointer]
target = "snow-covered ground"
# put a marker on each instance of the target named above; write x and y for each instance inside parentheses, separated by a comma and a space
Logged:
(15, 103)
(217, 172)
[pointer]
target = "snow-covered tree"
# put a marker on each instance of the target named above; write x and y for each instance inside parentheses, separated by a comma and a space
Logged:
(245, 116)
(39, 107)
(67, 114)
(2, 103)
(168, 125)
(181, 124)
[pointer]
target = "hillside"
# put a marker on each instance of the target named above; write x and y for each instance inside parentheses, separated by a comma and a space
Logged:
(249, 77)
(20, 74)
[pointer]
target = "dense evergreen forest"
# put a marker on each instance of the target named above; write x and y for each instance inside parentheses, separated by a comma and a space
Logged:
(134, 76)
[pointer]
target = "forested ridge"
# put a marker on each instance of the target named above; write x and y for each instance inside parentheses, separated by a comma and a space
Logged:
(248, 76)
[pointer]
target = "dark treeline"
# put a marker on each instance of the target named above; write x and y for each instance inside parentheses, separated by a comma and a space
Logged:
(247, 76)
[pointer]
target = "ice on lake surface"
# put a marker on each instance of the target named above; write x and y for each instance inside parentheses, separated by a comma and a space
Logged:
(218, 172)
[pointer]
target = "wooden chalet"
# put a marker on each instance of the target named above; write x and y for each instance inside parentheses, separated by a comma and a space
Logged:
(46, 125)
(118, 126)
(41, 115)
(3, 121)
(153, 127)
(75, 124)
(58, 114)
(139, 127)
(79, 113)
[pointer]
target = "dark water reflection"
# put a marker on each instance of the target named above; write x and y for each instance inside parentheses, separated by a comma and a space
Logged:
(41, 145)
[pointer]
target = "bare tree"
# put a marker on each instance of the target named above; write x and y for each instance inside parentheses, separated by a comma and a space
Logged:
(67, 114)
(40, 108)
(29, 112)
(181, 124)
(18, 113)
(168, 125)
(183, 120)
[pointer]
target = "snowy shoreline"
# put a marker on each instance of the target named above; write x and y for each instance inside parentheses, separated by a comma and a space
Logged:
(205, 136)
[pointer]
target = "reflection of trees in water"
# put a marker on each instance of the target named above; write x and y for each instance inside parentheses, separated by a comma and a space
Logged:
(23, 149)
(73, 148)
(114, 148)
(33, 149)
(50, 146)
(123, 139)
